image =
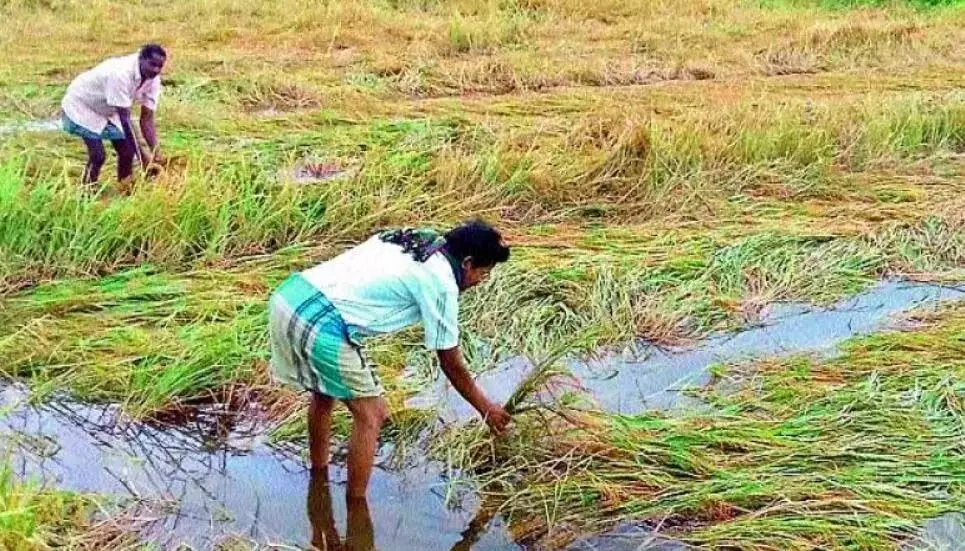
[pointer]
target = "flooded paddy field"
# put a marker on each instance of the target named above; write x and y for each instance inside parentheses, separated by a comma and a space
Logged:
(732, 317)
(218, 478)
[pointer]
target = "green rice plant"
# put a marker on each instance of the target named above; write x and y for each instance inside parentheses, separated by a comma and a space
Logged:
(148, 341)
(33, 518)
(858, 450)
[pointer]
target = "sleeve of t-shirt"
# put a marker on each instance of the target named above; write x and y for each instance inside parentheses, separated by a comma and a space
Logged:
(117, 90)
(151, 94)
(439, 307)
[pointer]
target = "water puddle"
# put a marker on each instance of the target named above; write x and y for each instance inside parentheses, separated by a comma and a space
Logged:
(945, 533)
(214, 487)
(653, 377)
(219, 478)
(49, 125)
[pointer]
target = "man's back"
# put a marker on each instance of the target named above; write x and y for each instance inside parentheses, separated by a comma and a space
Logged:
(378, 288)
(93, 96)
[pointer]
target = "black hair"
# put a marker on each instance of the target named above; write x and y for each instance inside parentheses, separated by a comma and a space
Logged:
(478, 240)
(150, 50)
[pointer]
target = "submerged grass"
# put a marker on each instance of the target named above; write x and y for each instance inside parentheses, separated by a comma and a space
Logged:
(33, 518)
(662, 170)
(851, 452)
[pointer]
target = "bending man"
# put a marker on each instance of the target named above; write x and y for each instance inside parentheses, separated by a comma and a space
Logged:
(319, 317)
(98, 105)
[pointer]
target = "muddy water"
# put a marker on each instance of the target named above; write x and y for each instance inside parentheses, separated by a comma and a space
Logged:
(221, 479)
(652, 377)
(232, 484)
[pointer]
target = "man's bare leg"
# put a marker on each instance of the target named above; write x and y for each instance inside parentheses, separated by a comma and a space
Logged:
(368, 415)
(319, 430)
(125, 150)
(359, 532)
(95, 160)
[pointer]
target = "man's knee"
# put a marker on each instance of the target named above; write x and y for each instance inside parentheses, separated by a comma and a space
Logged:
(322, 404)
(372, 416)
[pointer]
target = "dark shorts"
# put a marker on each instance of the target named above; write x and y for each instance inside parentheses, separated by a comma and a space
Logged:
(110, 131)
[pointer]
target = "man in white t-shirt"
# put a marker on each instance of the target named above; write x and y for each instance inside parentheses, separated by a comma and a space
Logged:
(319, 318)
(98, 103)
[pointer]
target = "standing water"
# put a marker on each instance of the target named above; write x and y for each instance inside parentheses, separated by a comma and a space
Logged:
(653, 377)
(212, 487)
(218, 481)
(50, 125)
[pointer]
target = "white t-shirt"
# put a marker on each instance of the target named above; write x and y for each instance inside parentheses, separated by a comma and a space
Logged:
(93, 97)
(379, 289)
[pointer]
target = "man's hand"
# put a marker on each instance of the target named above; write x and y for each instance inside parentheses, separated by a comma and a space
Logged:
(455, 370)
(497, 418)
(155, 165)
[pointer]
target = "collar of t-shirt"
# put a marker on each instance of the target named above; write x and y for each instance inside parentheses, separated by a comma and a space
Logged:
(456, 267)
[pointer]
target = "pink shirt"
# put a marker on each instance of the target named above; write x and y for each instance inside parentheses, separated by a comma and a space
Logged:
(93, 97)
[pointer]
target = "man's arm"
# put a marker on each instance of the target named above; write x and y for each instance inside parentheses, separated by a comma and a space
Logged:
(455, 369)
(149, 132)
(125, 115)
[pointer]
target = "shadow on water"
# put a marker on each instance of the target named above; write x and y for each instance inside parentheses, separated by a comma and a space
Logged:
(220, 480)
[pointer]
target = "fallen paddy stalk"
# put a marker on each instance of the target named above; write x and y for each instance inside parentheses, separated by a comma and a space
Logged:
(856, 451)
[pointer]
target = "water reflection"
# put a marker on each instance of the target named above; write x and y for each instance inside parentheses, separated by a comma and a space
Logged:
(211, 490)
(359, 529)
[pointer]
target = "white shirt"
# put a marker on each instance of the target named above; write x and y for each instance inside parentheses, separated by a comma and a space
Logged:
(379, 289)
(93, 97)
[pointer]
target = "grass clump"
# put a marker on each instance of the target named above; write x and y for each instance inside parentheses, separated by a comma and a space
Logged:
(146, 340)
(852, 452)
(33, 518)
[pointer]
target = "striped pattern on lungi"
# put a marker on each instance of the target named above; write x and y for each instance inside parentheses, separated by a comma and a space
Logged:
(310, 344)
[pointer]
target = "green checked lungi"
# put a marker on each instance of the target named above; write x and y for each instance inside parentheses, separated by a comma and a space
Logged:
(311, 345)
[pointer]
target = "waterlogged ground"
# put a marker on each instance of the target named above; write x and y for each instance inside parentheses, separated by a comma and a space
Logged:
(653, 377)
(217, 478)
(202, 484)
(732, 183)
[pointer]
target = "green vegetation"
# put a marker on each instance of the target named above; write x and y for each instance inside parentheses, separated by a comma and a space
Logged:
(662, 169)
(853, 452)
(34, 519)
